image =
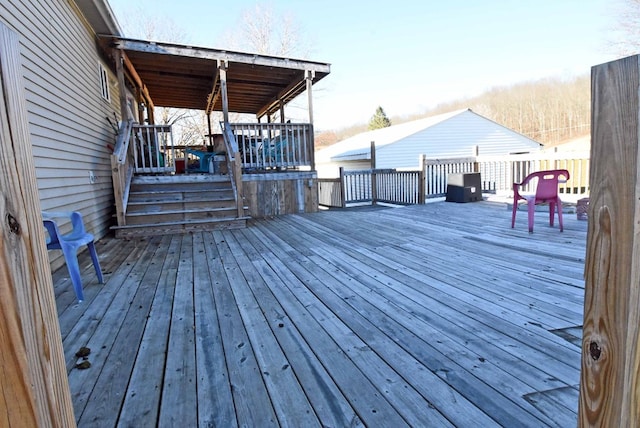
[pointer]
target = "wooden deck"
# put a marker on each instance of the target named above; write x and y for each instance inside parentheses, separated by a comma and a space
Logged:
(432, 315)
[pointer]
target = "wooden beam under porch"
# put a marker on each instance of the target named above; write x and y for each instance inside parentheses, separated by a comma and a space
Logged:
(428, 315)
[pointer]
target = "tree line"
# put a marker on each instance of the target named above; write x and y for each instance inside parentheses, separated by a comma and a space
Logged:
(550, 110)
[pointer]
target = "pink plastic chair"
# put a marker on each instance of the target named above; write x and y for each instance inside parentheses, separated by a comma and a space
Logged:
(546, 192)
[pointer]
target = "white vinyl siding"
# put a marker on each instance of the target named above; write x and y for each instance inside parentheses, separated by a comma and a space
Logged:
(454, 137)
(450, 135)
(67, 114)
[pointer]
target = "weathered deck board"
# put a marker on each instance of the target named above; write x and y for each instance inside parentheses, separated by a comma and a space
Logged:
(434, 315)
(142, 398)
(376, 282)
(385, 382)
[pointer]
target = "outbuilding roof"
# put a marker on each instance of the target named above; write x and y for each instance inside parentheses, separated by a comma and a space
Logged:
(439, 140)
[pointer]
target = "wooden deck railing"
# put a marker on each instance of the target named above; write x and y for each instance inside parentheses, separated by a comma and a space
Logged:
(274, 146)
(497, 173)
(153, 149)
(122, 166)
(234, 162)
(372, 185)
(437, 170)
(331, 192)
(139, 149)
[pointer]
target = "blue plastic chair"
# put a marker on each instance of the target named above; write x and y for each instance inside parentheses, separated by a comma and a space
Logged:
(69, 245)
(203, 159)
(275, 150)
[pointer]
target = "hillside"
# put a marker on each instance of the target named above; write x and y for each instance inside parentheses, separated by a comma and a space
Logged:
(550, 110)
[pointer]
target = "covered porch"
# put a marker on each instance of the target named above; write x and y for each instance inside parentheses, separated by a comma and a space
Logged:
(234, 84)
(427, 315)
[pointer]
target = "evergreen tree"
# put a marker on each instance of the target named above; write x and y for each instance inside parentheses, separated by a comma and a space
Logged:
(379, 120)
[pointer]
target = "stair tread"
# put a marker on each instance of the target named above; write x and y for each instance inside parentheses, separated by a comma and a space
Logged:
(173, 201)
(161, 191)
(182, 222)
(190, 210)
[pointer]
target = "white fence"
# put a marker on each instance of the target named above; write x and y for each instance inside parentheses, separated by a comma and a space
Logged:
(498, 173)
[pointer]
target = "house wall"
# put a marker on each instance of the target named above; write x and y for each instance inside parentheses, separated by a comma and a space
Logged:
(455, 137)
(332, 169)
(67, 114)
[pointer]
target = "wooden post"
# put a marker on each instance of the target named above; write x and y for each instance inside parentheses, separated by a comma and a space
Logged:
(309, 76)
(343, 192)
(374, 184)
(610, 377)
(34, 388)
(281, 106)
(422, 181)
(210, 135)
(312, 149)
(124, 110)
(222, 67)
(476, 153)
(237, 176)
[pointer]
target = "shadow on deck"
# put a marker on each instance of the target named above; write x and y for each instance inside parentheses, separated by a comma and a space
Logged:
(431, 315)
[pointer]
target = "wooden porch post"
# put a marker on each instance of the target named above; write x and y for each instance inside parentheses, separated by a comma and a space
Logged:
(610, 377)
(210, 129)
(422, 181)
(33, 378)
(222, 67)
(476, 153)
(343, 191)
(282, 120)
(310, 75)
(124, 110)
(374, 184)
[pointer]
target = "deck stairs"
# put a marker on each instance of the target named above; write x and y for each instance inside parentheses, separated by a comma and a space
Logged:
(169, 204)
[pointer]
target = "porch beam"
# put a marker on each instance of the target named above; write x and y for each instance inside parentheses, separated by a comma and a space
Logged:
(214, 95)
(136, 78)
(610, 377)
(219, 55)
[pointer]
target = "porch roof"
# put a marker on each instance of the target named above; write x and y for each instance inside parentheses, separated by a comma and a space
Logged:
(184, 76)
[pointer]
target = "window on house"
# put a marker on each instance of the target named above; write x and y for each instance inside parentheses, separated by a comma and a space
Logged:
(104, 82)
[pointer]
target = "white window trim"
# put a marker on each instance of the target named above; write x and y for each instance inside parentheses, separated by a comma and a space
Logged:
(104, 83)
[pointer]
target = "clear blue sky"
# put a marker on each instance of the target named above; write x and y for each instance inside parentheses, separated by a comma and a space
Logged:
(407, 56)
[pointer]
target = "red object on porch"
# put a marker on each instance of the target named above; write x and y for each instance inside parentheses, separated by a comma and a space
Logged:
(180, 164)
(546, 192)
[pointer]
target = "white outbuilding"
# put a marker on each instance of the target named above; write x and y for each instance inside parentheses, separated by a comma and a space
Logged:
(460, 133)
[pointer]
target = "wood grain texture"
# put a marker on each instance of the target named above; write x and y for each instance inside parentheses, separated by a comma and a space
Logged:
(610, 352)
(275, 194)
(34, 385)
(431, 315)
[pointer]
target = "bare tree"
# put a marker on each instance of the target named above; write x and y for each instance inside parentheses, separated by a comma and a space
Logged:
(624, 38)
(263, 31)
(548, 110)
(189, 126)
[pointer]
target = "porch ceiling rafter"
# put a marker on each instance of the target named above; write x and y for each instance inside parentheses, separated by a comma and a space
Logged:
(286, 95)
(188, 77)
